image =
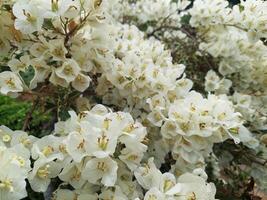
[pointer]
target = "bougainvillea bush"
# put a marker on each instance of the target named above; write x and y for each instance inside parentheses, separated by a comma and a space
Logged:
(133, 99)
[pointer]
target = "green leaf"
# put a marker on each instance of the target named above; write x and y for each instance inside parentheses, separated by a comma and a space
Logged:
(185, 19)
(28, 75)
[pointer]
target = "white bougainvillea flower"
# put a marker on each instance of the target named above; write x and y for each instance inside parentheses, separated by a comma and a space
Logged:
(6, 136)
(12, 183)
(21, 64)
(39, 49)
(10, 83)
(21, 137)
(47, 148)
(41, 71)
(42, 172)
(148, 176)
(56, 48)
(20, 156)
(132, 157)
(154, 194)
(56, 80)
(195, 187)
(75, 146)
(15, 165)
(60, 8)
(68, 71)
(167, 182)
(73, 195)
(101, 169)
(72, 173)
(81, 82)
(101, 143)
(29, 16)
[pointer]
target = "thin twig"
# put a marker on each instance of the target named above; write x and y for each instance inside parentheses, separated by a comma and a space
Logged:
(29, 115)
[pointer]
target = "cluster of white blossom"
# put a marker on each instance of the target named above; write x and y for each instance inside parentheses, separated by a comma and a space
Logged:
(233, 35)
(249, 16)
(15, 163)
(93, 149)
(141, 69)
(166, 186)
(102, 154)
(230, 34)
(237, 38)
(151, 10)
(158, 186)
(152, 14)
(190, 126)
(67, 43)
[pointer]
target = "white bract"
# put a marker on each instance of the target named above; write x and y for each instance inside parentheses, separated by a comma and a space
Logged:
(29, 16)
(10, 83)
(137, 128)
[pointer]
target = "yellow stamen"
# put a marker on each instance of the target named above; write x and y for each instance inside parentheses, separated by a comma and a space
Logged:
(43, 172)
(103, 142)
(48, 150)
(6, 138)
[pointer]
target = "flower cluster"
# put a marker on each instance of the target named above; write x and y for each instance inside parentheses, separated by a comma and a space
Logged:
(149, 134)
(88, 147)
(233, 35)
(150, 10)
(142, 68)
(92, 149)
(15, 162)
(52, 53)
(192, 125)
(166, 186)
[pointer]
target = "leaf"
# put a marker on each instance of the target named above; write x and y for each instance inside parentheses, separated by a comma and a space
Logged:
(28, 75)
(185, 19)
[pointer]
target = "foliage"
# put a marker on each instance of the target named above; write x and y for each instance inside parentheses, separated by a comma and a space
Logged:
(133, 99)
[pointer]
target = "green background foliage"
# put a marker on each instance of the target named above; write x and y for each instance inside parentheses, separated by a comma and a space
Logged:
(14, 112)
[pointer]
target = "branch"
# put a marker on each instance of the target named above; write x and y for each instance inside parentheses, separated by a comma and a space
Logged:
(29, 115)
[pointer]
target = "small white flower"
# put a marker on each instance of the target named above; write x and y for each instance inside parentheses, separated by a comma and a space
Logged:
(68, 71)
(42, 172)
(81, 82)
(154, 194)
(21, 64)
(75, 146)
(72, 173)
(103, 169)
(10, 83)
(28, 16)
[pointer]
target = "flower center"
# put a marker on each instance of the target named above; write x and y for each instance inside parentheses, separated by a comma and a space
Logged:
(48, 150)
(30, 18)
(106, 123)
(20, 160)
(152, 197)
(25, 141)
(68, 70)
(7, 184)
(81, 145)
(97, 3)
(168, 184)
(191, 196)
(43, 172)
(10, 83)
(102, 166)
(6, 138)
(103, 142)
(54, 5)
(129, 128)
